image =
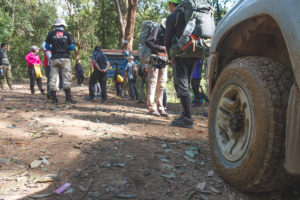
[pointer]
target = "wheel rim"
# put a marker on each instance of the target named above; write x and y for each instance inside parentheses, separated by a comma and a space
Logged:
(233, 123)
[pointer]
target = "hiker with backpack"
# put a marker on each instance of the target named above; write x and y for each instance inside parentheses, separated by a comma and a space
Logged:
(151, 43)
(132, 73)
(143, 74)
(101, 65)
(186, 37)
(125, 87)
(118, 79)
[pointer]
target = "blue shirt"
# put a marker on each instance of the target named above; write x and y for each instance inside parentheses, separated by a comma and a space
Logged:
(197, 70)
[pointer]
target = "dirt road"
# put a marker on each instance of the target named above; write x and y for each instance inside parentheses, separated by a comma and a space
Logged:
(111, 151)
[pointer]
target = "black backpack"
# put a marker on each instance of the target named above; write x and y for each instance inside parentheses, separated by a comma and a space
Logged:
(142, 69)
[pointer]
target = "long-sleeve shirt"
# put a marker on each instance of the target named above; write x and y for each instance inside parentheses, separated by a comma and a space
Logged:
(155, 41)
(32, 59)
(3, 57)
(79, 69)
(175, 27)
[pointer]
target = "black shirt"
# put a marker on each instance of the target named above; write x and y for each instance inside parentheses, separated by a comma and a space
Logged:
(155, 41)
(100, 59)
(60, 41)
(175, 27)
(79, 69)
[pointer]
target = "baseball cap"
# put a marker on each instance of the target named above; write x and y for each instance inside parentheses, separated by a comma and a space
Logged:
(33, 48)
(175, 1)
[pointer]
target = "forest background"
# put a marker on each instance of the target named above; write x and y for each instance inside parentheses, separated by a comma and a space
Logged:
(111, 24)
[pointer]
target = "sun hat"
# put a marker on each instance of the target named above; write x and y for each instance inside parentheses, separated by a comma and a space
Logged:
(164, 22)
(60, 22)
(33, 48)
(175, 1)
(130, 57)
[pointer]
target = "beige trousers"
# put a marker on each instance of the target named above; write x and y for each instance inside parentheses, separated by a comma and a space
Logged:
(63, 64)
(157, 79)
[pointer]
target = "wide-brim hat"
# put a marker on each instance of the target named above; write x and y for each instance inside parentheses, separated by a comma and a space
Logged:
(130, 57)
(164, 23)
(60, 22)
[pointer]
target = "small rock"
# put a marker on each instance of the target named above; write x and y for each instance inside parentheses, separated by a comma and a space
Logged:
(35, 163)
(201, 186)
(4, 160)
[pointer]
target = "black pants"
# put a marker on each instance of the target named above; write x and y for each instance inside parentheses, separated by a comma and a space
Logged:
(183, 69)
(203, 96)
(165, 98)
(119, 89)
(47, 70)
(133, 88)
(80, 78)
(195, 87)
(32, 78)
(102, 78)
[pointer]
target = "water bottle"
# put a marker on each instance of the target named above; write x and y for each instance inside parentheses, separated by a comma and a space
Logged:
(189, 28)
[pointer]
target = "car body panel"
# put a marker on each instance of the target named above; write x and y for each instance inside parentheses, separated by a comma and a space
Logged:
(280, 11)
(287, 16)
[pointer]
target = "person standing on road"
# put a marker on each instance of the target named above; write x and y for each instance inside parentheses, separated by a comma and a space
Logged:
(47, 58)
(125, 87)
(157, 78)
(197, 76)
(79, 72)
(182, 67)
(5, 66)
(118, 84)
(62, 43)
(142, 82)
(101, 65)
(32, 59)
(131, 80)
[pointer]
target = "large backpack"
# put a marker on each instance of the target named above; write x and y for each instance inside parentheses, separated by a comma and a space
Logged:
(135, 71)
(198, 44)
(142, 69)
(144, 51)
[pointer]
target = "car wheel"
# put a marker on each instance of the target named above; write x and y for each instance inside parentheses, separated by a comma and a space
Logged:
(247, 120)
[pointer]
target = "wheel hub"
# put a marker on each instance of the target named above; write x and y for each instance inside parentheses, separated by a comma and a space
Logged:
(236, 122)
(233, 123)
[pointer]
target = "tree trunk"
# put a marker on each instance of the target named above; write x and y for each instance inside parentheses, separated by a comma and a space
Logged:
(218, 9)
(13, 23)
(122, 18)
(129, 30)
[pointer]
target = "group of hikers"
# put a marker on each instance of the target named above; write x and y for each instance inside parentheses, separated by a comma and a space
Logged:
(187, 71)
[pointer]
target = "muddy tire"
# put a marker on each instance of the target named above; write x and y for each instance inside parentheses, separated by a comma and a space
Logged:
(247, 120)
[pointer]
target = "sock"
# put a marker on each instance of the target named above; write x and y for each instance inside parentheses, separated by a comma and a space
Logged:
(186, 105)
(68, 91)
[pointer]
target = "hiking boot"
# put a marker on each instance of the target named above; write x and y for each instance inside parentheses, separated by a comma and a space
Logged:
(44, 93)
(54, 98)
(69, 98)
(197, 103)
(131, 99)
(61, 90)
(163, 113)
(155, 113)
(183, 122)
(89, 98)
(103, 101)
(125, 97)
